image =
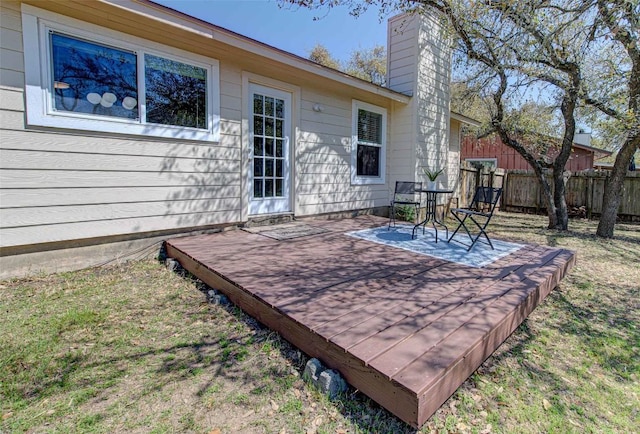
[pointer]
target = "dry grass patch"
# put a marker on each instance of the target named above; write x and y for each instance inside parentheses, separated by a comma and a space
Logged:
(136, 348)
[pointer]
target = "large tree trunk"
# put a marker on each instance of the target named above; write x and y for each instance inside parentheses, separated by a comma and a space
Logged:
(560, 177)
(613, 189)
(614, 186)
(559, 189)
(548, 198)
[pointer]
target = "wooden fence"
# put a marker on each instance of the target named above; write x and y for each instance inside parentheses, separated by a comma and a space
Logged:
(522, 193)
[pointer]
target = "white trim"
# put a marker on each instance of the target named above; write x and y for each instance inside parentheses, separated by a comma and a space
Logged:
(464, 119)
(210, 32)
(272, 205)
(482, 160)
(36, 25)
(249, 79)
(367, 180)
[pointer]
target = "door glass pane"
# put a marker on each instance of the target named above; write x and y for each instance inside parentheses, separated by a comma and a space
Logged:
(268, 188)
(268, 106)
(258, 126)
(258, 147)
(92, 78)
(268, 148)
(257, 188)
(268, 127)
(258, 104)
(268, 167)
(257, 167)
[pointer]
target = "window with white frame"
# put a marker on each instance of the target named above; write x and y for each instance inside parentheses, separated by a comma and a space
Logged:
(368, 154)
(483, 163)
(84, 77)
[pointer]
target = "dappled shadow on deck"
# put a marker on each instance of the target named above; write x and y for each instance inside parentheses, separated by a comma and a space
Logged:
(404, 328)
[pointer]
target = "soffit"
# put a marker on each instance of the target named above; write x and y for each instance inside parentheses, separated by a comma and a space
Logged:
(157, 23)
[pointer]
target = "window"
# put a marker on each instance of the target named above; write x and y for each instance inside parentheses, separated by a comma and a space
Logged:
(175, 93)
(91, 79)
(483, 163)
(369, 139)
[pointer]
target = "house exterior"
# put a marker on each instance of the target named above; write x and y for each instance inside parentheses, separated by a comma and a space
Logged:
(493, 152)
(125, 122)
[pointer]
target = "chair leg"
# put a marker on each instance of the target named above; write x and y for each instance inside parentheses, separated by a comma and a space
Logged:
(482, 232)
(392, 216)
(461, 224)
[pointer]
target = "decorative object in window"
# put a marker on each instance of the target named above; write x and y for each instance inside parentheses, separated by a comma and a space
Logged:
(93, 78)
(85, 77)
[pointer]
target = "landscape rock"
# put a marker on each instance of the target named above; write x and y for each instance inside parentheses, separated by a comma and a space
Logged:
(312, 370)
(331, 383)
(328, 381)
(216, 297)
(173, 265)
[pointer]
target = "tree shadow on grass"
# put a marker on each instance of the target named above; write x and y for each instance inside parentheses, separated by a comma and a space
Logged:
(605, 332)
(356, 407)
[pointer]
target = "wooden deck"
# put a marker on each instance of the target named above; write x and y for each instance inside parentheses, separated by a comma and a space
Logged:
(405, 329)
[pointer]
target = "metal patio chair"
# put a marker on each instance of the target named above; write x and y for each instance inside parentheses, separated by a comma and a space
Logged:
(479, 213)
(405, 193)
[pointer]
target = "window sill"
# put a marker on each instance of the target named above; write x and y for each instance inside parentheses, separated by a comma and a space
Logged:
(115, 126)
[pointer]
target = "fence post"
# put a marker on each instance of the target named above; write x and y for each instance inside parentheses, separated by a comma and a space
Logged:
(505, 183)
(589, 195)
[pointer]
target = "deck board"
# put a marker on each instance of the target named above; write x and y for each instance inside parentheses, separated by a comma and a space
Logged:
(404, 328)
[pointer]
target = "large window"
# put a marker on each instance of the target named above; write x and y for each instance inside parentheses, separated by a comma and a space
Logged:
(90, 79)
(369, 138)
(175, 92)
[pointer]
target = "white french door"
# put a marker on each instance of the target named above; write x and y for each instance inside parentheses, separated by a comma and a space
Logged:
(269, 155)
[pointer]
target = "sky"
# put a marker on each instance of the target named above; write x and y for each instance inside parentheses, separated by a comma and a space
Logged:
(290, 28)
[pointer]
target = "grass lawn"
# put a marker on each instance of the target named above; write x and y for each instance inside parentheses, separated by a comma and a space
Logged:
(134, 347)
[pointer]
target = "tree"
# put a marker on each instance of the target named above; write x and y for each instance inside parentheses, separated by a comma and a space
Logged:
(321, 55)
(594, 47)
(559, 48)
(622, 20)
(369, 64)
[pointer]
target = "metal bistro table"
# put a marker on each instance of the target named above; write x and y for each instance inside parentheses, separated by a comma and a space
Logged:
(430, 212)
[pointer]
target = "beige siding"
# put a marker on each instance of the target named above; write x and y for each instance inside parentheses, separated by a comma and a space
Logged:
(59, 186)
(323, 158)
(402, 53)
(11, 61)
(419, 62)
(454, 157)
(434, 68)
(401, 76)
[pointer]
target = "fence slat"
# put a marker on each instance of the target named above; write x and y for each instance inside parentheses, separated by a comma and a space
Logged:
(522, 191)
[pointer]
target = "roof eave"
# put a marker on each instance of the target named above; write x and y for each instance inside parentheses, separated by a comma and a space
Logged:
(212, 32)
(465, 119)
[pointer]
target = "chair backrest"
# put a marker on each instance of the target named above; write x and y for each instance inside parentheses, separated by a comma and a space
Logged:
(486, 196)
(406, 189)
